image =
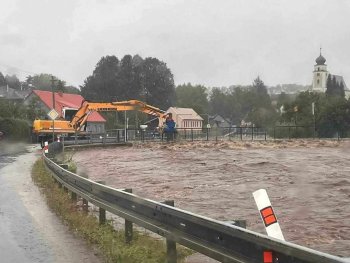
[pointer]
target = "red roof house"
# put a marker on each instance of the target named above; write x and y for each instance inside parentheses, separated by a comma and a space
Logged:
(95, 121)
(65, 100)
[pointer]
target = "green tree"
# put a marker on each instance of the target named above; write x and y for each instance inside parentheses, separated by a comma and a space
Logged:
(103, 84)
(2, 80)
(71, 90)
(251, 103)
(41, 81)
(189, 96)
(262, 114)
(131, 78)
(34, 110)
(10, 109)
(13, 82)
(158, 86)
(333, 117)
(333, 88)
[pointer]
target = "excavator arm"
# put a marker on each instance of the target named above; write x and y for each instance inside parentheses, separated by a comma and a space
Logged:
(87, 108)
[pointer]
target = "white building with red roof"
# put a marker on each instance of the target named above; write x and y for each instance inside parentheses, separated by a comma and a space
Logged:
(66, 105)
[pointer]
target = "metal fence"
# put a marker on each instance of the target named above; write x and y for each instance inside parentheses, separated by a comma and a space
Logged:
(246, 133)
(219, 240)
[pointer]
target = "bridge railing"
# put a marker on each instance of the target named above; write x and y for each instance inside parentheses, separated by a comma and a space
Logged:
(219, 240)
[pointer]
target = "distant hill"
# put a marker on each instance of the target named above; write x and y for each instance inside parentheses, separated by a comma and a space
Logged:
(287, 88)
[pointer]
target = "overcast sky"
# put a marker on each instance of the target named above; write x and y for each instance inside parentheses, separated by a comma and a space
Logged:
(215, 43)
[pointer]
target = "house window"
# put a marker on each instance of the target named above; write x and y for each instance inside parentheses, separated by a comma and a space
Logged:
(318, 74)
(318, 81)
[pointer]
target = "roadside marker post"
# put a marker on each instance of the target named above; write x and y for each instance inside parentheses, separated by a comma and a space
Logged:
(269, 219)
(46, 147)
(267, 214)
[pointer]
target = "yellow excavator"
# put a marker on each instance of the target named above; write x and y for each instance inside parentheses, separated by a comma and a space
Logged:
(44, 128)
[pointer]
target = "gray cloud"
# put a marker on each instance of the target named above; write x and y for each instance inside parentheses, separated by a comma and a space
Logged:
(216, 44)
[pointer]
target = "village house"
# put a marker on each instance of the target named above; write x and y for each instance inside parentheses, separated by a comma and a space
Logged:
(186, 118)
(217, 121)
(9, 94)
(66, 105)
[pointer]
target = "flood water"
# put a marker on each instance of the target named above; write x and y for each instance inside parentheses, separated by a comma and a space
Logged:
(308, 183)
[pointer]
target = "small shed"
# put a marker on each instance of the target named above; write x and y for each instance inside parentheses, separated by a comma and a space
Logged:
(186, 118)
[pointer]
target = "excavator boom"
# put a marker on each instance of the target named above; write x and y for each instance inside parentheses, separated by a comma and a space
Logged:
(87, 108)
(81, 116)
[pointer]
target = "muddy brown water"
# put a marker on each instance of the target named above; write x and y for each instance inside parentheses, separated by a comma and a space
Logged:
(308, 183)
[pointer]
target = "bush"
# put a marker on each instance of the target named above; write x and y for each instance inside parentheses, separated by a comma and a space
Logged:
(15, 129)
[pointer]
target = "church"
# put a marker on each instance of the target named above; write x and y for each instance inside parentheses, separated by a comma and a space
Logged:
(320, 75)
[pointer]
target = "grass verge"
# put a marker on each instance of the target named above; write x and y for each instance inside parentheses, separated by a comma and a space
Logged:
(109, 241)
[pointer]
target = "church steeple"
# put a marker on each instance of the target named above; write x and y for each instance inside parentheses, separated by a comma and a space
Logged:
(320, 60)
(320, 74)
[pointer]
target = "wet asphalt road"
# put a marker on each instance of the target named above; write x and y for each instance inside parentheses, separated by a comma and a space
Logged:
(29, 231)
(18, 235)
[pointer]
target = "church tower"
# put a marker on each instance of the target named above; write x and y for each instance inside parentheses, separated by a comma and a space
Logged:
(319, 82)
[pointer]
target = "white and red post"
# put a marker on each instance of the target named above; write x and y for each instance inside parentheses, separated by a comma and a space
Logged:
(269, 218)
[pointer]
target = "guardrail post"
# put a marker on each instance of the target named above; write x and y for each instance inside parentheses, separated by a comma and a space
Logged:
(85, 205)
(73, 196)
(85, 202)
(128, 224)
(102, 212)
(170, 244)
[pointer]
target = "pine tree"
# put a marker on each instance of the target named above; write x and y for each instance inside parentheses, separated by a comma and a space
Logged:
(341, 90)
(2, 80)
(329, 85)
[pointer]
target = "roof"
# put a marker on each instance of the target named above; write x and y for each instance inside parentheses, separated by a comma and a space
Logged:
(12, 94)
(185, 113)
(320, 60)
(218, 118)
(66, 100)
(339, 80)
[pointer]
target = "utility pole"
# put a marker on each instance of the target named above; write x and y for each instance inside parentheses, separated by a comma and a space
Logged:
(313, 113)
(53, 106)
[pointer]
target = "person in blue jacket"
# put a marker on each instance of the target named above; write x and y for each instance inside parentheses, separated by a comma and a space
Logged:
(169, 128)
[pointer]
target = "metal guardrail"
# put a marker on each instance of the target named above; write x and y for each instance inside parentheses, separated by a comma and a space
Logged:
(216, 239)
